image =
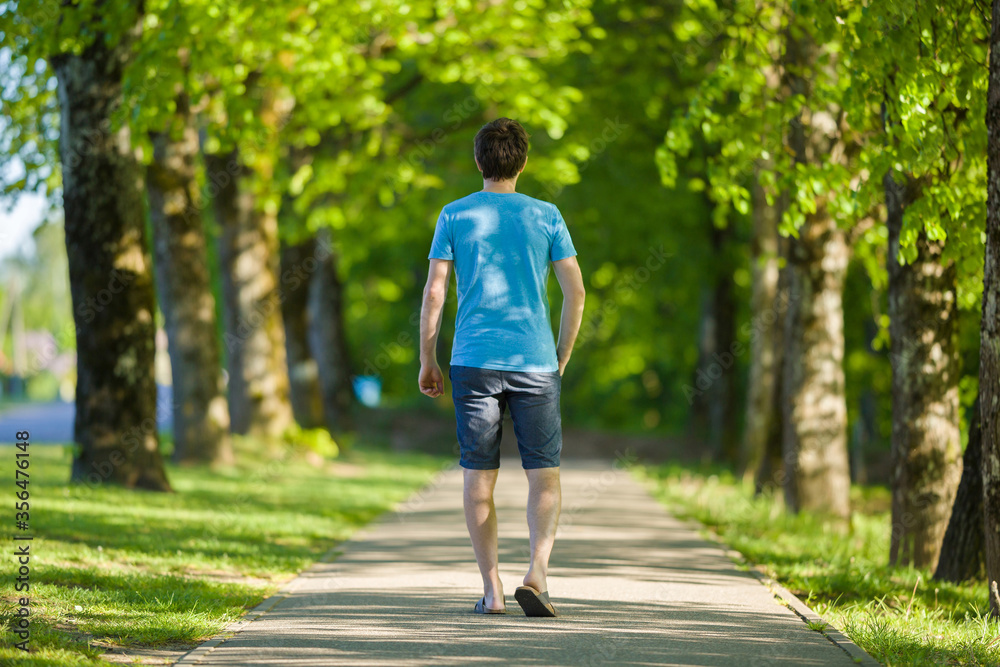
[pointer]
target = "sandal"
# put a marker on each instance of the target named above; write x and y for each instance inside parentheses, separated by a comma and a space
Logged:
(481, 608)
(534, 603)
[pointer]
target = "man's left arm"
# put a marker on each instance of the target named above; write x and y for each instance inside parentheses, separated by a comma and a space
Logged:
(435, 292)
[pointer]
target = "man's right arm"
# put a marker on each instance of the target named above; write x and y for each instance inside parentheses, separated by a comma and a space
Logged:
(571, 281)
(431, 381)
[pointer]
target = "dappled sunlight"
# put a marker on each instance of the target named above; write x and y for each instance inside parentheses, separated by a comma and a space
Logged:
(633, 585)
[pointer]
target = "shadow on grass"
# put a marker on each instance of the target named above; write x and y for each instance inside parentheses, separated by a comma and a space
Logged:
(150, 568)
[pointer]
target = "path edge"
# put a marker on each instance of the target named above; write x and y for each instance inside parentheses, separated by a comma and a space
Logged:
(195, 655)
(809, 616)
(782, 594)
(793, 602)
(199, 652)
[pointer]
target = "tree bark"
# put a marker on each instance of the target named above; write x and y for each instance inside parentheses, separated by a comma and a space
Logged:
(328, 339)
(989, 345)
(764, 325)
(961, 556)
(926, 437)
(770, 472)
(815, 411)
(704, 379)
(861, 437)
(200, 411)
(815, 430)
(303, 373)
(254, 335)
(761, 446)
(110, 273)
(712, 410)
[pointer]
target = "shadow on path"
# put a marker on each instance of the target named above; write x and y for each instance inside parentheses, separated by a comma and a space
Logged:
(634, 587)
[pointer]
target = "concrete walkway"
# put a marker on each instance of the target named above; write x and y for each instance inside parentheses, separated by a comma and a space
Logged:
(635, 587)
(51, 423)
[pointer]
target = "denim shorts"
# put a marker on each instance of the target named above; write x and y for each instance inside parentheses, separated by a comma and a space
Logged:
(481, 395)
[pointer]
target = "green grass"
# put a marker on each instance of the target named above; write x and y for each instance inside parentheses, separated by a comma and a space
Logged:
(899, 615)
(168, 570)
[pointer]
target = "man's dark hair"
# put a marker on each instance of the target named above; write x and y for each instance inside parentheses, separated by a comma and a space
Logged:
(501, 149)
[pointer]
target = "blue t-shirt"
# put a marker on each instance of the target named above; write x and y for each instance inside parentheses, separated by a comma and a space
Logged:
(501, 244)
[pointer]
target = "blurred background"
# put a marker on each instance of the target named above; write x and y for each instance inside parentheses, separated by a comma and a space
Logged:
(285, 167)
(214, 224)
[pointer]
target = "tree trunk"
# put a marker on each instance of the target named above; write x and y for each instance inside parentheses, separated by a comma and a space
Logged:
(303, 373)
(723, 430)
(705, 376)
(712, 410)
(815, 430)
(110, 275)
(328, 339)
(926, 437)
(770, 472)
(814, 437)
(863, 434)
(764, 324)
(989, 345)
(254, 335)
(962, 548)
(200, 411)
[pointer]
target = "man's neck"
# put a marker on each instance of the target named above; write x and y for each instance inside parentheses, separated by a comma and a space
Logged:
(506, 187)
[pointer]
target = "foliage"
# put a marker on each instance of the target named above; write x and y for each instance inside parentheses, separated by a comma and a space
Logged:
(316, 440)
(359, 118)
(907, 84)
(918, 89)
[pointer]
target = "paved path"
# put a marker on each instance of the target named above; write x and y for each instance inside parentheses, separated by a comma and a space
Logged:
(635, 587)
(52, 422)
(46, 422)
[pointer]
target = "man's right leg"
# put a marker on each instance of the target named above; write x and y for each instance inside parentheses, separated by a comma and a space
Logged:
(481, 518)
(544, 502)
(479, 408)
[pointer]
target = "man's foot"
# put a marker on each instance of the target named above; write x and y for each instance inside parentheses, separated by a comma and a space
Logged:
(495, 601)
(534, 580)
(534, 602)
(481, 608)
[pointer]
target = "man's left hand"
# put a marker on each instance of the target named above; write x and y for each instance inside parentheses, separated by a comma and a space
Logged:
(431, 381)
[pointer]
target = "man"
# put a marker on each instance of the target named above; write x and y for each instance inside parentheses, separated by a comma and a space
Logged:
(501, 243)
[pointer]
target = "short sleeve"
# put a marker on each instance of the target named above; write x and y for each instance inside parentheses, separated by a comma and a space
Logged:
(442, 246)
(562, 244)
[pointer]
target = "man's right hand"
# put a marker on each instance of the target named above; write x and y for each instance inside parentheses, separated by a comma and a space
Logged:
(431, 380)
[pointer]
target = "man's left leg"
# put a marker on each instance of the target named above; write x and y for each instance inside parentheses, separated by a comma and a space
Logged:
(533, 399)
(544, 500)
(481, 518)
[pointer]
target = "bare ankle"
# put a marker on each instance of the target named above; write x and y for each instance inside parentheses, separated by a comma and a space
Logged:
(494, 597)
(536, 579)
